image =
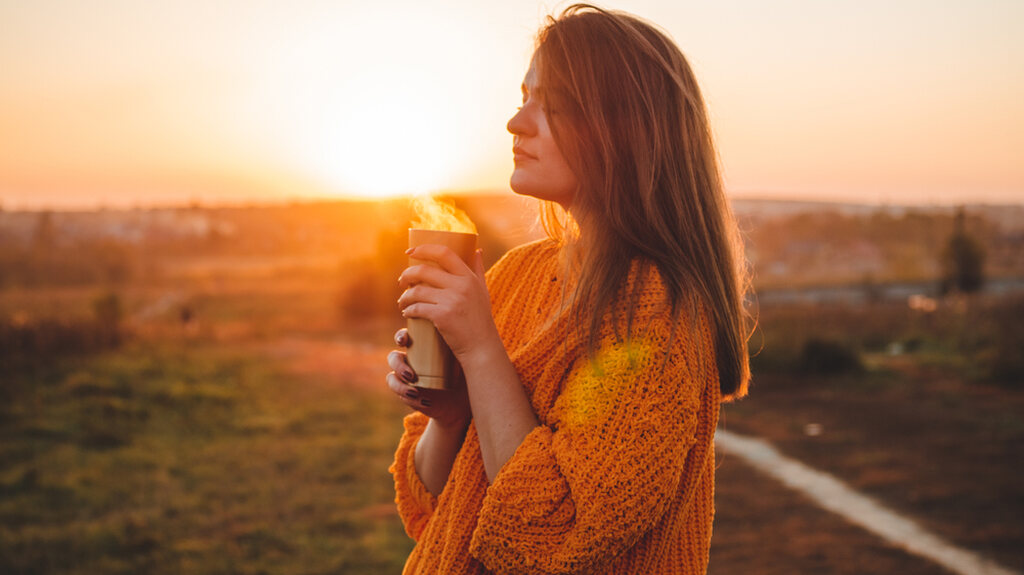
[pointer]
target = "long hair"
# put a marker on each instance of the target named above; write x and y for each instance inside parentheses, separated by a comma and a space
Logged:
(626, 111)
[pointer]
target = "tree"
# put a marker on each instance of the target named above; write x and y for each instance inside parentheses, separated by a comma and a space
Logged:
(963, 260)
(44, 237)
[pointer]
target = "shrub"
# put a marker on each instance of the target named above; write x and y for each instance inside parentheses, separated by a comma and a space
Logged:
(829, 357)
(29, 340)
(369, 287)
(107, 311)
(1006, 360)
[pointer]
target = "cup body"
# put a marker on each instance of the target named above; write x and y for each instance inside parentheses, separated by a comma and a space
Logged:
(428, 354)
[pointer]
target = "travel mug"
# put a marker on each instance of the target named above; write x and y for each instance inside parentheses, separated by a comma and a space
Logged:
(428, 354)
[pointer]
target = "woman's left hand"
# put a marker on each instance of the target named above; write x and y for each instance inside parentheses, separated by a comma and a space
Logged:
(453, 296)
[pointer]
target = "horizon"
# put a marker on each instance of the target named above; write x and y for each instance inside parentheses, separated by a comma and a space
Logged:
(131, 205)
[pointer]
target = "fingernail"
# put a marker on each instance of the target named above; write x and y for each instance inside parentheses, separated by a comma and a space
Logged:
(409, 251)
(399, 339)
(408, 375)
(425, 402)
(412, 394)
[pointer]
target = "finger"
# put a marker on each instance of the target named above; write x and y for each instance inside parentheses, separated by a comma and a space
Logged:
(442, 256)
(407, 393)
(411, 396)
(420, 294)
(420, 310)
(424, 274)
(398, 362)
(402, 338)
(478, 263)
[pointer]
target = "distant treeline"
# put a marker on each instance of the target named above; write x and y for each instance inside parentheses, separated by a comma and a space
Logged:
(830, 247)
(818, 245)
(40, 249)
(979, 339)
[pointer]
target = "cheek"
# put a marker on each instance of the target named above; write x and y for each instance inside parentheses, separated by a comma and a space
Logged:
(557, 166)
(560, 172)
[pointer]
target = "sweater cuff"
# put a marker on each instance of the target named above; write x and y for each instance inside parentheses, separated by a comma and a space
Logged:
(415, 502)
(526, 508)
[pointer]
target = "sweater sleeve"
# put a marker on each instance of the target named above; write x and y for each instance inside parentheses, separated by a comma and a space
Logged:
(415, 503)
(581, 490)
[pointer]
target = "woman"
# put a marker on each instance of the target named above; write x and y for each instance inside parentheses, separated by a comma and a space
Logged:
(595, 360)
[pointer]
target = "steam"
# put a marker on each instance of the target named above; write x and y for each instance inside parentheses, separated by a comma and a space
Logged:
(432, 214)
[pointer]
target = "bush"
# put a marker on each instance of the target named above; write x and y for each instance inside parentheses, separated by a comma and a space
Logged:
(828, 357)
(29, 340)
(369, 287)
(1006, 360)
(107, 311)
(366, 294)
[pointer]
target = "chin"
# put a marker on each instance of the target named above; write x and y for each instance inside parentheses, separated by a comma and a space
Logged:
(521, 185)
(525, 190)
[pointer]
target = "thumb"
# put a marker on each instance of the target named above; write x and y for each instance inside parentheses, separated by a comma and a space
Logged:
(478, 263)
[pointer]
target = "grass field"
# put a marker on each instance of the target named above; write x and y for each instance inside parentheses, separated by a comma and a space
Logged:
(184, 458)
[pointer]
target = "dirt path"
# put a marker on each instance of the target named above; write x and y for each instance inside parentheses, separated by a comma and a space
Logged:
(762, 527)
(832, 494)
(946, 452)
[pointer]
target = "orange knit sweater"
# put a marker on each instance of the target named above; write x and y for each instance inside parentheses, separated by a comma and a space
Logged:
(618, 478)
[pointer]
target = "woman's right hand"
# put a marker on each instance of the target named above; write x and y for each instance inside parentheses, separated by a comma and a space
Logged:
(448, 407)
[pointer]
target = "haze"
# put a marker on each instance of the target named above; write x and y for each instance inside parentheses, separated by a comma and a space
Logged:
(125, 103)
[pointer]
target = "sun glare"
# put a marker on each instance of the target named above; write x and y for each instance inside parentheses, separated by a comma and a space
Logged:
(386, 118)
(391, 138)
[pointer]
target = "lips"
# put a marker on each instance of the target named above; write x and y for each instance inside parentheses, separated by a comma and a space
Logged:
(519, 154)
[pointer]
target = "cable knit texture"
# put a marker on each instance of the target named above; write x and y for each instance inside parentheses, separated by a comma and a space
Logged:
(618, 478)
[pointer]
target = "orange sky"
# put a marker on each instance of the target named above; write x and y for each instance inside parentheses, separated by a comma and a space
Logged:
(141, 103)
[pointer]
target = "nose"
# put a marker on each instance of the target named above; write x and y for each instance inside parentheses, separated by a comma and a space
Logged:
(520, 124)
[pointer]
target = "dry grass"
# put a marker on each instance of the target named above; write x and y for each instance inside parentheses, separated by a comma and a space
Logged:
(196, 459)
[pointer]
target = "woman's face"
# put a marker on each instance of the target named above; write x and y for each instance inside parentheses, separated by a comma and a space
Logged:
(540, 169)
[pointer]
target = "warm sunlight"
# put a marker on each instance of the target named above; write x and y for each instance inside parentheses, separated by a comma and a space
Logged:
(391, 136)
(396, 123)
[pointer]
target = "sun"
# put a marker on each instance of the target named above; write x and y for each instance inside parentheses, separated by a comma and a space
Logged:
(374, 115)
(388, 121)
(392, 137)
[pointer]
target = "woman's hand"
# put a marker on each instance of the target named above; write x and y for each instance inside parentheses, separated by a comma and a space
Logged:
(452, 296)
(448, 407)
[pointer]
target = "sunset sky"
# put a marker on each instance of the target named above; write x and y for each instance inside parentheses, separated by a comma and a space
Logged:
(125, 103)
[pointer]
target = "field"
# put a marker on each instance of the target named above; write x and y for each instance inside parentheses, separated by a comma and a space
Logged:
(218, 450)
(236, 421)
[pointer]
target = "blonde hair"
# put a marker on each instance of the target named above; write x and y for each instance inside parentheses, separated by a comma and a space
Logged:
(626, 111)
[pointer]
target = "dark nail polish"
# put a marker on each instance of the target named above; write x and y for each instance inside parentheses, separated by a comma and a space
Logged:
(412, 394)
(408, 375)
(425, 402)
